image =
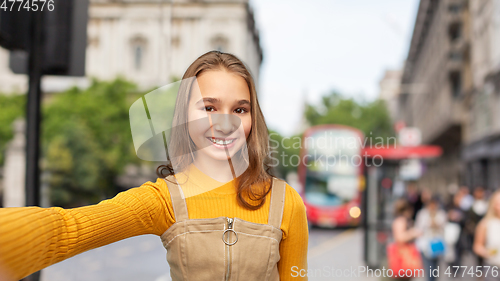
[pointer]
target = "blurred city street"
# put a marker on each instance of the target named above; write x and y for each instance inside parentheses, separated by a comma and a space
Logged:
(144, 258)
(335, 249)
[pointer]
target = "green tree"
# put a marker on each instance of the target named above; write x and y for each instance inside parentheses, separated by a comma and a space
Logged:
(87, 142)
(371, 118)
(11, 107)
(284, 152)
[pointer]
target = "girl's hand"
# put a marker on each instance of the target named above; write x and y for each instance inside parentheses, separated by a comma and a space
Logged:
(484, 253)
(416, 232)
(492, 252)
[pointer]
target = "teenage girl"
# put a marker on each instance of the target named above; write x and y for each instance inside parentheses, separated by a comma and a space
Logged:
(403, 231)
(402, 226)
(217, 223)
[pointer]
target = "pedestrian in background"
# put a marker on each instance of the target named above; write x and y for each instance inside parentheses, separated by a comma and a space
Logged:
(457, 216)
(403, 229)
(426, 195)
(466, 199)
(487, 237)
(402, 254)
(414, 198)
(431, 221)
(475, 213)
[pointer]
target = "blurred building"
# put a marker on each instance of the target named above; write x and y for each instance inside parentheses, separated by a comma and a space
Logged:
(152, 42)
(437, 83)
(481, 152)
(390, 87)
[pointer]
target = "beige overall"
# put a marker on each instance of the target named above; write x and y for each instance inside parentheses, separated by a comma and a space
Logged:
(223, 248)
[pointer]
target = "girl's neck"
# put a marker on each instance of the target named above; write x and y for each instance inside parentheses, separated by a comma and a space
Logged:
(217, 170)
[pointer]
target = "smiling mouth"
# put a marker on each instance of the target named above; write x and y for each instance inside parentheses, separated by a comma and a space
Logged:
(221, 141)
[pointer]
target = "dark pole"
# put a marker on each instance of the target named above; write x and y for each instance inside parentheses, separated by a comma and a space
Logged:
(33, 117)
(33, 111)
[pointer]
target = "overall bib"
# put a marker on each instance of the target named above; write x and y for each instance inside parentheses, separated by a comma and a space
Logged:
(223, 248)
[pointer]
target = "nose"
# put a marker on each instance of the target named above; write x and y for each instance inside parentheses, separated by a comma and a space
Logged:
(224, 123)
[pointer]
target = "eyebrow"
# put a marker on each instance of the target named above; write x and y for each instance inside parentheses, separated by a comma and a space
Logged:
(216, 100)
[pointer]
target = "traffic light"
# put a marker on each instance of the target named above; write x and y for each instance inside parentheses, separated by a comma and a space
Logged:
(14, 28)
(64, 37)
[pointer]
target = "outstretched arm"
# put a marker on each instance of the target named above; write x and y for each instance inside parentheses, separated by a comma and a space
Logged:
(32, 238)
(479, 243)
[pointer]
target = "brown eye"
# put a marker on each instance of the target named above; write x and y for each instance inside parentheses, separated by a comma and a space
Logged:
(207, 108)
(242, 110)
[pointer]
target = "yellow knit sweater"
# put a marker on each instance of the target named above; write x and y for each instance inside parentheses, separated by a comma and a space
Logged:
(32, 238)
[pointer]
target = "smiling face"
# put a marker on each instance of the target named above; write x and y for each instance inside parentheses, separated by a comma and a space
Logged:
(224, 98)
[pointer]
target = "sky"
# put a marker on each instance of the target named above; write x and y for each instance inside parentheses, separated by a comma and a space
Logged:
(314, 47)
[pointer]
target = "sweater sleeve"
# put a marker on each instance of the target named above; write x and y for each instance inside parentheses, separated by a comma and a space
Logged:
(293, 247)
(32, 238)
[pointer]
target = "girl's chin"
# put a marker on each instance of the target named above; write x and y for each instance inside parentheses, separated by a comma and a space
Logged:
(218, 154)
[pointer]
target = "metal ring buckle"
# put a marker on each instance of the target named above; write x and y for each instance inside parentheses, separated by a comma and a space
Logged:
(227, 243)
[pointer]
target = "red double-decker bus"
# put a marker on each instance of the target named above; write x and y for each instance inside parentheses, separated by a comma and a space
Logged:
(331, 174)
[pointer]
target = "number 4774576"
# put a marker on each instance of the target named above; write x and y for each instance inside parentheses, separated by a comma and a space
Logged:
(27, 5)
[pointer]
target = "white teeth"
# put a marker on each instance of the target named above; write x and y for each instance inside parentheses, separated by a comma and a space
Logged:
(221, 142)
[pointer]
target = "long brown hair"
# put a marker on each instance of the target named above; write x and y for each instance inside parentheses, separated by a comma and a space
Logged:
(258, 174)
(491, 213)
(401, 206)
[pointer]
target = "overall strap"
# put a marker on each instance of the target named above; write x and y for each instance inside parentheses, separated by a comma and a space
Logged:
(178, 199)
(277, 202)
